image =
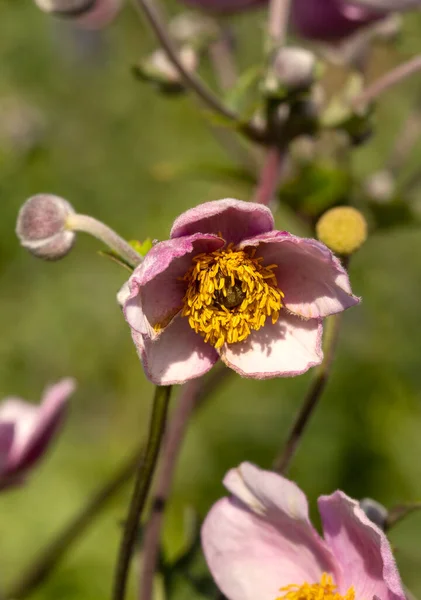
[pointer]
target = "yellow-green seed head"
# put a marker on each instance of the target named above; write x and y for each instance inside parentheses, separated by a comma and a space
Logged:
(343, 229)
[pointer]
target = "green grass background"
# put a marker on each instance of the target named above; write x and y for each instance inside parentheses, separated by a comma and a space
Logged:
(119, 151)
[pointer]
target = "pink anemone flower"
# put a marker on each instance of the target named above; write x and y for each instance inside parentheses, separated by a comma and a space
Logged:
(225, 6)
(259, 543)
(331, 20)
(26, 430)
(228, 285)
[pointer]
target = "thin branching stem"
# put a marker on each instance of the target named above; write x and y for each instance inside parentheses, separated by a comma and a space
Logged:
(283, 461)
(171, 447)
(387, 81)
(48, 559)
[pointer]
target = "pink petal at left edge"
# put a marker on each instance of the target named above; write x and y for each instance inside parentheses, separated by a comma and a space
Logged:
(361, 549)
(46, 421)
(233, 219)
(178, 355)
(287, 348)
(261, 539)
(313, 280)
(102, 13)
(7, 430)
(156, 288)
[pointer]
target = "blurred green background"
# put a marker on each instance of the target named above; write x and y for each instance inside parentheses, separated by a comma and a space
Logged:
(118, 150)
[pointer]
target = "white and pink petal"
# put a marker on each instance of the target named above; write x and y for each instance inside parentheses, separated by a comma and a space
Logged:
(48, 419)
(261, 539)
(287, 348)
(156, 287)
(233, 219)
(361, 549)
(176, 356)
(313, 280)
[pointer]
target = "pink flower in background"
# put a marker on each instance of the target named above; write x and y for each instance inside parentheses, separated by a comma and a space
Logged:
(27, 430)
(87, 14)
(259, 543)
(330, 20)
(228, 285)
(225, 6)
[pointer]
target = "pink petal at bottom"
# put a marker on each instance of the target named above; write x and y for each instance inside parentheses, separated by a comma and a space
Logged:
(250, 557)
(361, 549)
(178, 355)
(284, 349)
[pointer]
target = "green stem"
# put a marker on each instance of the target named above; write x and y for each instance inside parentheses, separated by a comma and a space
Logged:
(142, 485)
(105, 234)
(314, 394)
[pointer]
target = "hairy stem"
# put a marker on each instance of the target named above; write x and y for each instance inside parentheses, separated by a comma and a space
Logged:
(170, 451)
(192, 397)
(143, 482)
(269, 176)
(314, 394)
(105, 234)
(278, 22)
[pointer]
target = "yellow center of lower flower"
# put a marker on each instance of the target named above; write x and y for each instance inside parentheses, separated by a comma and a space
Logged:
(325, 590)
(230, 293)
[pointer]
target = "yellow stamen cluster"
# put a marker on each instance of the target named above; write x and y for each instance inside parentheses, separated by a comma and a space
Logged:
(325, 590)
(230, 293)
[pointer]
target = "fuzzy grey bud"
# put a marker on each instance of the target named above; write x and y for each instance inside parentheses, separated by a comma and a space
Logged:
(292, 69)
(375, 511)
(41, 226)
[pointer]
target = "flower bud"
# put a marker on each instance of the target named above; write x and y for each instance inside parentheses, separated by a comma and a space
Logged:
(343, 229)
(375, 511)
(159, 69)
(41, 226)
(89, 14)
(291, 70)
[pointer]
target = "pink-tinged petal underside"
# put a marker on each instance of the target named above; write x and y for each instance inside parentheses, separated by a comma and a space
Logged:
(34, 426)
(287, 348)
(23, 416)
(261, 539)
(360, 548)
(156, 290)
(233, 219)
(328, 20)
(100, 15)
(313, 280)
(52, 411)
(178, 355)
(7, 430)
